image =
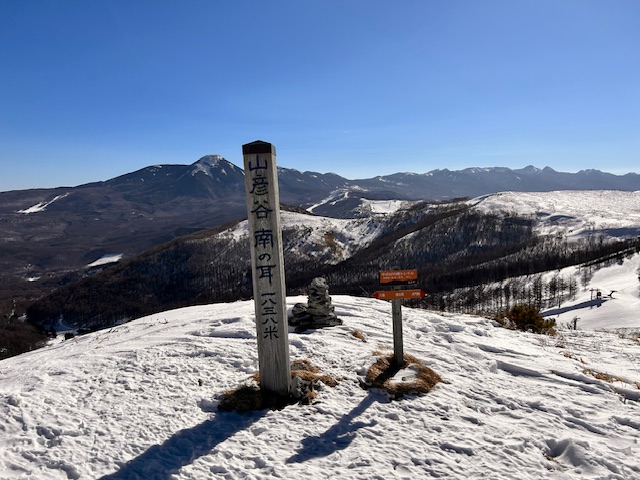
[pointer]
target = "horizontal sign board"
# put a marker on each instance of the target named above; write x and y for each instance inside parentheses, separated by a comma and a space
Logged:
(398, 277)
(398, 294)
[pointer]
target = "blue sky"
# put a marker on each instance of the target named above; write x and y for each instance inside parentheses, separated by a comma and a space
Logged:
(94, 89)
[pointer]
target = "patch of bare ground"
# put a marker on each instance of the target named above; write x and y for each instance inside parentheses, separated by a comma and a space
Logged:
(412, 377)
(306, 381)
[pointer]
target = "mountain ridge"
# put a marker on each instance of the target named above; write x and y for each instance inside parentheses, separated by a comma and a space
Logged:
(210, 162)
(55, 233)
(458, 248)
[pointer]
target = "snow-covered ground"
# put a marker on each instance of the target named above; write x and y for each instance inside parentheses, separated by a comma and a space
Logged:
(139, 402)
(42, 206)
(345, 236)
(371, 207)
(333, 198)
(613, 213)
(618, 306)
(106, 260)
(384, 207)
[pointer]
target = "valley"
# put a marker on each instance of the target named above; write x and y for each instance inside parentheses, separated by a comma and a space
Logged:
(173, 235)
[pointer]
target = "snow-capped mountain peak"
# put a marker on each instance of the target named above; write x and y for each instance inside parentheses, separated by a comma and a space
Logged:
(213, 166)
(530, 170)
(211, 160)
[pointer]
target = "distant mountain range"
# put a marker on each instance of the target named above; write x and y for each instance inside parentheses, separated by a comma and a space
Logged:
(49, 233)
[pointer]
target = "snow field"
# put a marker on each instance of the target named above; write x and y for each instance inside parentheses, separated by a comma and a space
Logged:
(139, 401)
(346, 236)
(577, 213)
(619, 308)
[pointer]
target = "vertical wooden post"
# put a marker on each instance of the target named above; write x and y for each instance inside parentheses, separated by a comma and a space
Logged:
(398, 346)
(267, 264)
(398, 278)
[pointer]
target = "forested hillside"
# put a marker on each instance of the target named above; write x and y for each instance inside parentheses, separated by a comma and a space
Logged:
(460, 253)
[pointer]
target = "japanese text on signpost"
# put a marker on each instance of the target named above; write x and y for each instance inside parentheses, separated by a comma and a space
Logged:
(267, 266)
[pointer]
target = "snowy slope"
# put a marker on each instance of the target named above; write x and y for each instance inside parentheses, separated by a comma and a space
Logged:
(41, 206)
(577, 213)
(384, 207)
(127, 403)
(619, 304)
(338, 238)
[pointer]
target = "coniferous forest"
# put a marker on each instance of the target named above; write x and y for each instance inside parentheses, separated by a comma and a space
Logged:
(466, 260)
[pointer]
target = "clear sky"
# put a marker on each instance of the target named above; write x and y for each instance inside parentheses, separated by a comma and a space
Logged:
(90, 90)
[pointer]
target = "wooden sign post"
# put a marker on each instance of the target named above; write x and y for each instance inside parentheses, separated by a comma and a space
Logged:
(397, 279)
(398, 342)
(267, 265)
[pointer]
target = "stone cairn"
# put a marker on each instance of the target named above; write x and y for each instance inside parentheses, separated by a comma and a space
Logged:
(318, 312)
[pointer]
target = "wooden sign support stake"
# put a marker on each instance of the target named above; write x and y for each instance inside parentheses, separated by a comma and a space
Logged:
(267, 266)
(397, 279)
(398, 345)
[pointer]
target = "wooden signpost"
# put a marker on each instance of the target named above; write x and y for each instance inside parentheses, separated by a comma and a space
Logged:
(265, 235)
(397, 279)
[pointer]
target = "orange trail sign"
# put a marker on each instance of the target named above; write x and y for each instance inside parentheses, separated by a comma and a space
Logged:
(398, 294)
(398, 277)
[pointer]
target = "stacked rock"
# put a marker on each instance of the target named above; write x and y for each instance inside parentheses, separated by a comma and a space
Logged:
(319, 312)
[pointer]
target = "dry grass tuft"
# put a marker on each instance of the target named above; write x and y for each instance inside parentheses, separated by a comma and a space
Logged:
(381, 375)
(608, 378)
(304, 366)
(306, 379)
(246, 398)
(310, 373)
(600, 376)
(359, 335)
(603, 376)
(573, 356)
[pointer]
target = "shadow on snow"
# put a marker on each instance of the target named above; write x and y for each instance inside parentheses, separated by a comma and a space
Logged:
(588, 304)
(338, 437)
(163, 461)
